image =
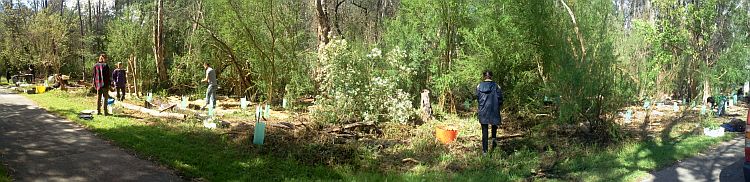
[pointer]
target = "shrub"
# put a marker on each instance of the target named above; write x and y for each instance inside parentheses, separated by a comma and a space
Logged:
(355, 86)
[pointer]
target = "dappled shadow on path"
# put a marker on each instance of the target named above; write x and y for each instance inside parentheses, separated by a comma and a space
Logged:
(704, 167)
(652, 150)
(39, 146)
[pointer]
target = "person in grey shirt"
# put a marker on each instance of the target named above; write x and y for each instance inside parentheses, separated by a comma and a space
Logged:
(211, 91)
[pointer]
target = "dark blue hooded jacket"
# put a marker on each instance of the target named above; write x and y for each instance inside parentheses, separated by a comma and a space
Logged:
(490, 98)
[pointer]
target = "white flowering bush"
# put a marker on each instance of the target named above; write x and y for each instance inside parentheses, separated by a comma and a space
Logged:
(357, 86)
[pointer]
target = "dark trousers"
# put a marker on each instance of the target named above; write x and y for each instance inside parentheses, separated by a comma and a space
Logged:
(484, 137)
(102, 96)
(120, 93)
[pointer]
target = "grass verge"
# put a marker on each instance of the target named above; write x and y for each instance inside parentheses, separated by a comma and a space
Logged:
(209, 154)
(4, 177)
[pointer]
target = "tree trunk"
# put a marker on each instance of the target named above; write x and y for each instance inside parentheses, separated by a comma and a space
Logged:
(83, 45)
(324, 27)
(706, 91)
(272, 76)
(161, 69)
(133, 72)
(99, 28)
(90, 22)
(577, 31)
(138, 81)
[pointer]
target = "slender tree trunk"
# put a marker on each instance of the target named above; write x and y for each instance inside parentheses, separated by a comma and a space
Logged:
(272, 59)
(83, 44)
(62, 7)
(161, 69)
(575, 28)
(138, 80)
(132, 70)
(706, 90)
(99, 12)
(196, 17)
(89, 7)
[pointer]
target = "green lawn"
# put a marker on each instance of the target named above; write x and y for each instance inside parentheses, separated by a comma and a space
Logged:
(209, 154)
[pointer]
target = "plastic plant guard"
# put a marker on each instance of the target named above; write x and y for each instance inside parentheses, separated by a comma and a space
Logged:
(703, 110)
(675, 107)
(257, 113)
(211, 111)
(692, 105)
(183, 104)
(268, 111)
(149, 97)
(283, 103)
(646, 104)
(734, 98)
(110, 104)
(260, 133)
(628, 115)
(243, 103)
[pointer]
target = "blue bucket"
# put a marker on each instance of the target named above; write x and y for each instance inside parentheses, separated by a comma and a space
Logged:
(110, 101)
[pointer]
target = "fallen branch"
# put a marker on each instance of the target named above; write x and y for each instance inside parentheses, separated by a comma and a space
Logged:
(349, 126)
(162, 109)
(153, 112)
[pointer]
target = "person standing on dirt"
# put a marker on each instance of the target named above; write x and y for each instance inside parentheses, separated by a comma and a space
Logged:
(212, 85)
(118, 78)
(32, 72)
(101, 83)
(8, 72)
(490, 98)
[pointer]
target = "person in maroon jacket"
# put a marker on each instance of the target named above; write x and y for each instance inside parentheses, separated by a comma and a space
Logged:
(101, 83)
(119, 80)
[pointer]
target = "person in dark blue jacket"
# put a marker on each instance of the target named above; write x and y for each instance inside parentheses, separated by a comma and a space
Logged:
(490, 98)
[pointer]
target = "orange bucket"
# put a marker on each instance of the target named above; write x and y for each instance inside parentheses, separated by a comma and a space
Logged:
(446, 134)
